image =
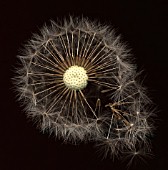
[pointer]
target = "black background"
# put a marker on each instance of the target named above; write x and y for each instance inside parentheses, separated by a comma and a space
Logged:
(143, 24)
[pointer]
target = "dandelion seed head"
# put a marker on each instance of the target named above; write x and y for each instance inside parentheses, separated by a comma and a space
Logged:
(75, 78)
(78, 82)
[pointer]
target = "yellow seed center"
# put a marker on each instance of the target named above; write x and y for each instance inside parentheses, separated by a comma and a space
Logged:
(75, 77)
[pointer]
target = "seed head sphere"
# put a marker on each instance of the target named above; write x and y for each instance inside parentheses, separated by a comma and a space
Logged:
(77, 81)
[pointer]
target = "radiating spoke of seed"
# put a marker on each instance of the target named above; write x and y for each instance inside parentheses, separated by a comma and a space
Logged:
(88, 45)
(46, 59)
(72, 44)
(84, 109)
(129, 96)
(78, 44)
(111, 122)
(45, 74)
(103, 83)
(76, 100)
(87, 103)
(65, 48)
(43, 82)
(97, 71)
(57, 85)
(52, 92)
(98, 106)
(49, 51)
(130, 82)
(82, 47)
(106, 90)
(103, 57)
(69, 105)
(94, 50)
(97, 76)
(60, 59)
(57, 52)
(57, 98)
(119, 103)
(66, 98)
(85, 46)
(100, 60)
(86, 62)
(45, 67)
(55, 58)
(96, 56)
(48, 68)
(68, 44)
(105, 68)
(74, 108)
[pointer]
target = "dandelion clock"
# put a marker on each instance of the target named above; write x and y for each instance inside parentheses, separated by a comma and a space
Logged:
(77, 81)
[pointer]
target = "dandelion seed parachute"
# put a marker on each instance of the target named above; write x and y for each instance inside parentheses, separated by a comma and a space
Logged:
(77, 82)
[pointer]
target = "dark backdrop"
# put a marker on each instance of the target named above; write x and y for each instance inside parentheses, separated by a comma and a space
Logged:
(143, 25)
